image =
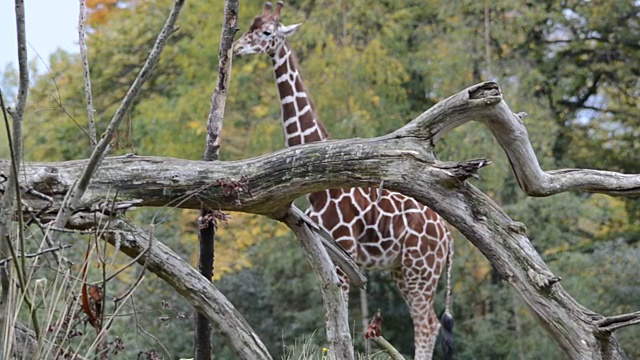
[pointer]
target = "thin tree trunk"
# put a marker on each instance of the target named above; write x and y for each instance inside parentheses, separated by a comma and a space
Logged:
(207, 222)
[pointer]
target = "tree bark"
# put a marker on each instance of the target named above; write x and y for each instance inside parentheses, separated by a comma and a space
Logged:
(405, 162)
(178, 273)
(335, 304)
(207, 221)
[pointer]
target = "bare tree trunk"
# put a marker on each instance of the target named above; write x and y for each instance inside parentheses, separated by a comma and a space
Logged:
(207, 221)
(12, 194)
(206, 232)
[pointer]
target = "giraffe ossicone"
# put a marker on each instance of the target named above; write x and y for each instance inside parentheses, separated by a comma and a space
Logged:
(381, 230)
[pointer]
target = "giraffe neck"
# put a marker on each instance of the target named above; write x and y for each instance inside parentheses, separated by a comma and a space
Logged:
(300, 123)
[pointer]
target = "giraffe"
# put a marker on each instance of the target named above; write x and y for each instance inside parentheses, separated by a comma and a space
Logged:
(379, 229)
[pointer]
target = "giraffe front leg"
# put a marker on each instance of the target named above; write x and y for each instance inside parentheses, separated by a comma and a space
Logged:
(418, 290)
(344, 285)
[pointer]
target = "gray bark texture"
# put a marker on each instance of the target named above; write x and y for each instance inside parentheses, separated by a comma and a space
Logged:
(403, 161)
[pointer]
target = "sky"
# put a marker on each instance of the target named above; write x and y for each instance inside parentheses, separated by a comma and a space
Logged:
(50, 24)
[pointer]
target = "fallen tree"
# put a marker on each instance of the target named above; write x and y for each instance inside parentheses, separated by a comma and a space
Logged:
(401, 161)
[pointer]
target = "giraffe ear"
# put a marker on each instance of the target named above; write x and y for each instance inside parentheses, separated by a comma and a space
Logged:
(287, 31)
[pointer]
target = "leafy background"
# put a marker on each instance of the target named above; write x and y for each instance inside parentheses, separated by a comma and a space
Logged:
(371, 67)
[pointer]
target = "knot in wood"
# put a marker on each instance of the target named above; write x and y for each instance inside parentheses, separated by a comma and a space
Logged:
(466, 169)
(518, 228)
(543, 279)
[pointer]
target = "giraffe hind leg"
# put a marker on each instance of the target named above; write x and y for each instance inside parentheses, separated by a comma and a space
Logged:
(418, 292)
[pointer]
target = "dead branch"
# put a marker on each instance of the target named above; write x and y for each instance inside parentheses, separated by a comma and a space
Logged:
(87, 77)
(79, 188)
(219, 98)
(179, 274)
(374, 333)
(335, 304)
(405, 162)
(613, 323)
(39, 253)
(206, 234)
(508, 128)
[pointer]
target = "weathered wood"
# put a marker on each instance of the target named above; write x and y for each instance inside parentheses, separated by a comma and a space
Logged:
(179, 274)
(207, 229)
(335, 304)
(405, 162)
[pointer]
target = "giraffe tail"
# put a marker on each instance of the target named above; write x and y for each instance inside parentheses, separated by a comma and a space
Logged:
(446, 321)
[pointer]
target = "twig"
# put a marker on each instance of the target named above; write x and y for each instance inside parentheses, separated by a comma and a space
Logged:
(87, 77)
(23, 86)
(6, 216)
(41, 252)
(140, 255)
(58, 100)
(16, 148)
(386, 346)
(613, 323)
(100, 150)
(144, 331)
(374, 333)
(218, 101)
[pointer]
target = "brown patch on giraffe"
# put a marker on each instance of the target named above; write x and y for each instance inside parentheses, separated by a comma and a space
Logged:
(411, 241)
(313, 137)
(358, 228)
(386, 204)
(432, 230)
(348, 212)
(347, 244)
(386, 225)
(284, 89)
(407, 261)
(318, 199)
(335, 193)
(289, 110)
(298, 83)
(341, 232)
(292, 128)
(428, 289)
(440, 251)
(409, 204)
(398, 227)
(257, 23)
(372, 250)
(387, 245)
(431, 260)
(431, 215)
(438, 269)
(294, 141)
(330, 217)
(364, 197)
(370, 235)
(302, 102)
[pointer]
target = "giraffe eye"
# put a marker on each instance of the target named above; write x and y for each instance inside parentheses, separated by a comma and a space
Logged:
(266, 33)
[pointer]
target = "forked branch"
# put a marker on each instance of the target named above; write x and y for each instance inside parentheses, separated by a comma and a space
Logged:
(404, 161)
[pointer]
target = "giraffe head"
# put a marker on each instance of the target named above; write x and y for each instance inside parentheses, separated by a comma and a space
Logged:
(266, 35)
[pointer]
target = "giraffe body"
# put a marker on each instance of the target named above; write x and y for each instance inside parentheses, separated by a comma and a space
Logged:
(381, 230)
